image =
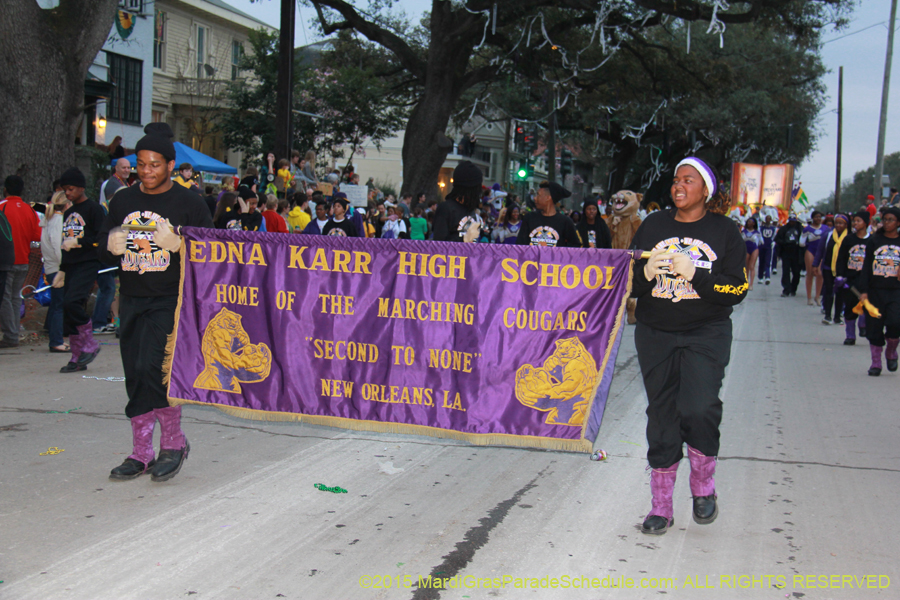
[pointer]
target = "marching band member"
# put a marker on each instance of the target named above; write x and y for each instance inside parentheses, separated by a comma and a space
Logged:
(150, 272)
(686, 290)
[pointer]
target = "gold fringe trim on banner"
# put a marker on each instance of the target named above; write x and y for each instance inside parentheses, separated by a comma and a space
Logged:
(173, 337)
(617, 325)
(477, 439)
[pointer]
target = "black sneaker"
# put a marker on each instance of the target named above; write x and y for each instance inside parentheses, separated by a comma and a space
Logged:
(86, 358)
(850, 342)
(656, 525)
(73, 367)
(169, 462)
(706, 509)
(130, 469)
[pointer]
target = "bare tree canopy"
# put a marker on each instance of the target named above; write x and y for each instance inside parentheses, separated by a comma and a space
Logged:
(465, 44)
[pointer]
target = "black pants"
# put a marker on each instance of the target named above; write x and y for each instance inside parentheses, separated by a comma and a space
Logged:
(765, 261)
(830, 297)
(791, 264)
(683, 373)
(888, 303)
(80, 278)
(144, 328)
(850, 301)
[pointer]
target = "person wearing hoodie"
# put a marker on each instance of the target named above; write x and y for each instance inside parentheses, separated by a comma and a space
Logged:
(298, 218)
(787, 240)
(879, 283)
(592, 229)
(341, 223)
(78, 269)
(24, 228)
(849, 264)
(317, 225)
(51, 240)
(767, 230)
(274, 222)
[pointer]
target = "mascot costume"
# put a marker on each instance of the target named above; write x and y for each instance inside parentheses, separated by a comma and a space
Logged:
(623, 224)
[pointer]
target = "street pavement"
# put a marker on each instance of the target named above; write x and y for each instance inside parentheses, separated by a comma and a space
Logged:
(808, 481)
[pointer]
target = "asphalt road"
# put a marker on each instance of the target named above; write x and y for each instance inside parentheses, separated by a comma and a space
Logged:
(809, 476)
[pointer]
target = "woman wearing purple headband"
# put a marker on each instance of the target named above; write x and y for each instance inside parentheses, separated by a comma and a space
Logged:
(685, 290)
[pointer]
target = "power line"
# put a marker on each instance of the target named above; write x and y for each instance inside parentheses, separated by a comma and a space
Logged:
(853, 33)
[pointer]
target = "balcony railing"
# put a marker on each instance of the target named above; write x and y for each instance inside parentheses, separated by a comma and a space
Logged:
(193, 86)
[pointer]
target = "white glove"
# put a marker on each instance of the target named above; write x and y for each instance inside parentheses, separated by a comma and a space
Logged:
(472, 232)
(117, 241)
(243, 204)
(657, 264)
(683, 265)
(59, 279)
(69, 243)
(165, 238)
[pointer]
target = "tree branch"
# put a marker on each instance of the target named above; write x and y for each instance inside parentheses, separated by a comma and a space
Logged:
(373, 32)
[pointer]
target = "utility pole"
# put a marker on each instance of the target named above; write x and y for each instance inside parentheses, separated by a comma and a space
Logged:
(284, 100)
(504, 171)
(551, 148)
(885, 88)
(840, 115)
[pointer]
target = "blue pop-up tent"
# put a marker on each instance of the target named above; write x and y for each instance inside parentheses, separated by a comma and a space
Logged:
(198, 160)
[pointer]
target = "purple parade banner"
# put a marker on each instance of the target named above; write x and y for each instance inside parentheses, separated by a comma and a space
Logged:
(489, 343)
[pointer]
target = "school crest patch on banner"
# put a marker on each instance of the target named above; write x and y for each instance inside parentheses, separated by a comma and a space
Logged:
(229, 357)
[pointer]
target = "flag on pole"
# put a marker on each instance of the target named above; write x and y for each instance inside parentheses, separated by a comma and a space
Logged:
(799, 195)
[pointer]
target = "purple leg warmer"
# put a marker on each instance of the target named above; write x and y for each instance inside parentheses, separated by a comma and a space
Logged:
(142, 431)
(703, 468)
(171, 436)
(662, 486)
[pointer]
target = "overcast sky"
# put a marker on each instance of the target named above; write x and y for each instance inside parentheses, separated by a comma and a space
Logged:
(861, 54)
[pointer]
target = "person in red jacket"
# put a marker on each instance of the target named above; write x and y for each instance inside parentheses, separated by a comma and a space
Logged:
(274, 222)
(25, 228)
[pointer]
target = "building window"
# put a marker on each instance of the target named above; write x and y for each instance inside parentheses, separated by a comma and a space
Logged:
(136, 6)
(202, 48)
(159, 40)
(237, 53)
(125, 101)
(158, 116)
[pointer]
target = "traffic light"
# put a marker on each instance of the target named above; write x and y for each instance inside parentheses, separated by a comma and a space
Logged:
(565, 161)
(523, 171)
(530, 143)
(520, 134)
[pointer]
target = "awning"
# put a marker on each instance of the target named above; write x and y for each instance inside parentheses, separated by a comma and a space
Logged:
(198, 160)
